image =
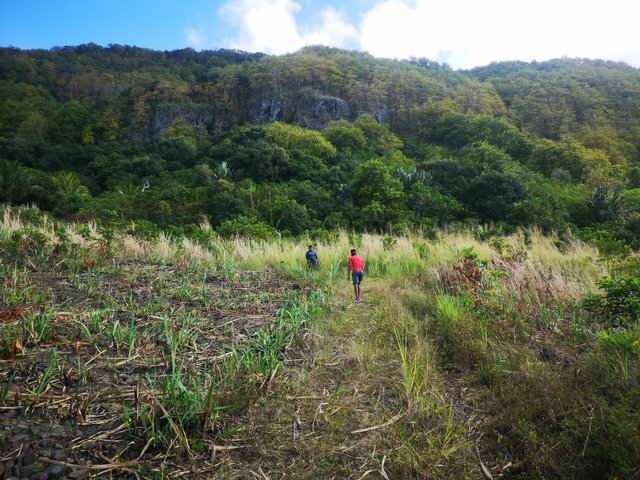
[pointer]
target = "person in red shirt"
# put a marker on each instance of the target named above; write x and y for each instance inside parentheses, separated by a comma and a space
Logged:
(357, 272)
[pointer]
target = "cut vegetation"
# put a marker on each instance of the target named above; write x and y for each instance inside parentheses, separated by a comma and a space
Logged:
(201, 357)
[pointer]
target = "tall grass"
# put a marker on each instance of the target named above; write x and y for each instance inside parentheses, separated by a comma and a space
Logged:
(571, 270)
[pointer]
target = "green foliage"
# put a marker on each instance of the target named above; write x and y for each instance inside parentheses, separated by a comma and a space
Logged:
(620, 341)
(246, 227)
(494, 195)
(293, 138)
(14, 182)
(619, 305)
(70, 195)
(378, 194)
(228, 134)
(345, 136)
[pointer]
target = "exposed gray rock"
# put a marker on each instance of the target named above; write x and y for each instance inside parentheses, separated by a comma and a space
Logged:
(29, 457)
(271, 110)
(332, 108)
(197, 115)
(56, 471)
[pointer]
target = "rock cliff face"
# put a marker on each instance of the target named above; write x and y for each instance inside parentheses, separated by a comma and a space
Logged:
(271, 110)
(309, 110)
(328, 107)
(198, 115)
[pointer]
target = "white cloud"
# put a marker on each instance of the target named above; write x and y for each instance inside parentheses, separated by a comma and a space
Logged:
(333, 31)
(470, 33)
(270, 26)
(195, 38)
(463, 33)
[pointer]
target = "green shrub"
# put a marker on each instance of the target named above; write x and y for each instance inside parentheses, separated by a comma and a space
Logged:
(616, 341)
(144, 229)
(619, 305)
(246, 227)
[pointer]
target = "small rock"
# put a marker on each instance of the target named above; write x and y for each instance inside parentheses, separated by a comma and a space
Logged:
(24, 471)
(2, 470)
(58, 432)
(79, 473)
(40, 476)
(20, 438)
(56, 471)
(58, 454)
(20, 427)
(548, 354)
(29, 457)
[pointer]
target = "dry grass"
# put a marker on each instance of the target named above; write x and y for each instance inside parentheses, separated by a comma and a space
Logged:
(405, 384)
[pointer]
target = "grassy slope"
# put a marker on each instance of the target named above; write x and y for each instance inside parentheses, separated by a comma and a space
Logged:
(349, 377)
(463, 352)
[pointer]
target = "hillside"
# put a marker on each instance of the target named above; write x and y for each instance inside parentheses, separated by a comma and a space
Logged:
(320, 139)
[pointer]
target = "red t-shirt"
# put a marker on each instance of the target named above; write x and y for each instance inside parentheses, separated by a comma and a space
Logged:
(356, 263)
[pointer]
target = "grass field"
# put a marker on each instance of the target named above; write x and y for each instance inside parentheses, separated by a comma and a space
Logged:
(205, 357)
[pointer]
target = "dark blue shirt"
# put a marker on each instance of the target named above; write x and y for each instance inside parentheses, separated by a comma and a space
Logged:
(312, 257)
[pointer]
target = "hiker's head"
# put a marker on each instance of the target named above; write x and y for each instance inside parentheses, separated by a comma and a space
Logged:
(353, 251)
(310, 247)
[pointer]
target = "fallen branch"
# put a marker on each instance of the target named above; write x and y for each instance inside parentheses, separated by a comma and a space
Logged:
(385, 424)
(103, 466)
(485, 470)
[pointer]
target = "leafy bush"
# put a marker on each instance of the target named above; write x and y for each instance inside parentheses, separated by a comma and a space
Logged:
(28, 241)
(144, 229)
(246, 227)
(619, 305)
(620, 341)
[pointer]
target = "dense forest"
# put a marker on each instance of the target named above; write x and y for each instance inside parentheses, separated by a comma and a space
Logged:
(320, 139)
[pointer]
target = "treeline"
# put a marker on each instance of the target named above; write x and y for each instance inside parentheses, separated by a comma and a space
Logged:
(320, 139)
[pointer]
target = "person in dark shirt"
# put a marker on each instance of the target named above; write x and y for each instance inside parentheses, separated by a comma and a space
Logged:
(312, 258)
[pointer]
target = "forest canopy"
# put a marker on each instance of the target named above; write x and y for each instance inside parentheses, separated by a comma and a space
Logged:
(320, 139)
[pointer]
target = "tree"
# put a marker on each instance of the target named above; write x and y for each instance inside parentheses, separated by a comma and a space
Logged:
(493, 195)
(378, 135)
(68, 123)
(605, 204)
(14, 182)
(247, 152)
(295, 139)
(545, 206)
(379, 195)
(428, 202)
(345, 136)
(181, 131)
(489, 157)
(70, 195)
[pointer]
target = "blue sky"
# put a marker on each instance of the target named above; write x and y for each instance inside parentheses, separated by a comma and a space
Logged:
(463, 33)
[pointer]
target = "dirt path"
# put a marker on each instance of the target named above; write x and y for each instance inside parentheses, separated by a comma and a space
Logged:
(342, 411)
(307, 426)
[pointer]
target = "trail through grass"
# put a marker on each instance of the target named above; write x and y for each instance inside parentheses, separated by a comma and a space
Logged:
(359, 400)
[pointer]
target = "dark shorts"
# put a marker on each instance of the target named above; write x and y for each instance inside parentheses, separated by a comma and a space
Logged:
(357, 276)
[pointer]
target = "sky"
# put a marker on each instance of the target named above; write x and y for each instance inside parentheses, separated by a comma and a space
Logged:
(461, 33)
